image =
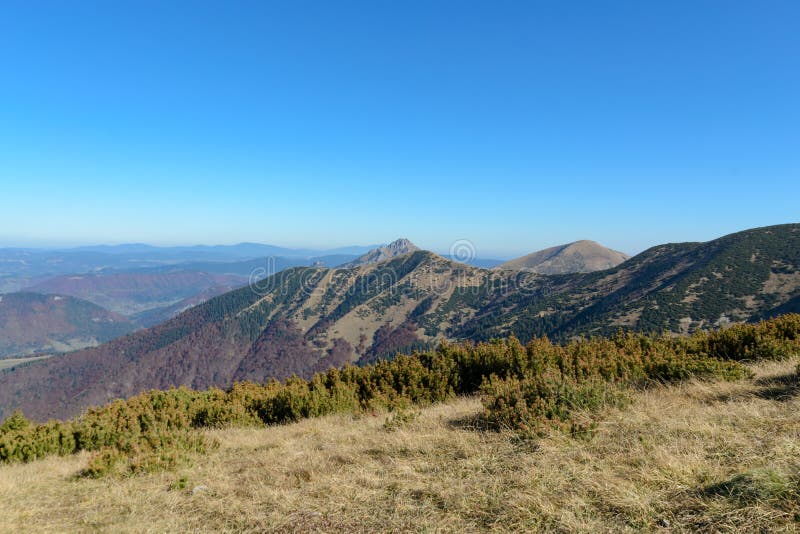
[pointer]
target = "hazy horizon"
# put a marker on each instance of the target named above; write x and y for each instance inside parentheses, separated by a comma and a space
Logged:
(478, 253)
(516, 126)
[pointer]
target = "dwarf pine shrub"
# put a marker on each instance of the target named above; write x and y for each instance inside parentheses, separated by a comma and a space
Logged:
(525, 387)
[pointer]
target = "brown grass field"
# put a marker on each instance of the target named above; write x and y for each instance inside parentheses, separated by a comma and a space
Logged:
(722, 456)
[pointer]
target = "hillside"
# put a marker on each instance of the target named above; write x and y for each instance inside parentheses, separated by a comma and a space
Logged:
(153, 316)
(33, 323)
(702, 456)
(304, 320)
(577, 257)
(679, 288)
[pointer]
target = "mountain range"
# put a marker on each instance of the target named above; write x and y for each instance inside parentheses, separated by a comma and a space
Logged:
(147, 284)
(306, 319)
(23, 267)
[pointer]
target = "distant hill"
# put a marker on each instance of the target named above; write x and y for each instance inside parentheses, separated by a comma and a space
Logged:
(577, 257)
(33, 323)
(21, 267)
(255, 267)
(215, 252)
(129, 293)
(151, 294)
(399, 247)
(307, 319)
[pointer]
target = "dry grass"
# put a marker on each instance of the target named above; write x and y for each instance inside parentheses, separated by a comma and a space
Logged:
(708, 457)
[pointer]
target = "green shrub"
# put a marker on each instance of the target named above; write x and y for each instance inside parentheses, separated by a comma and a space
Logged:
(674, 369)
(30, 442)
(775, 339)
(147, 456)
(556, 381)
(14, 423)
(526, 387)
(533, 404)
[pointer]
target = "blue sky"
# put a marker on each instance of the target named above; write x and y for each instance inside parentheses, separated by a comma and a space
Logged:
(516, 125)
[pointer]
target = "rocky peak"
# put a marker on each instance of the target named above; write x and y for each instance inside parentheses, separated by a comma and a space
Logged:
(399, 247)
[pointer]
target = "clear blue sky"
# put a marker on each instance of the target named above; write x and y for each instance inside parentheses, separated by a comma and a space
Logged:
(516, 125)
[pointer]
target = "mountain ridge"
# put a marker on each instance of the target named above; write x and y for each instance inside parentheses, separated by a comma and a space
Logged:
(306, 319)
